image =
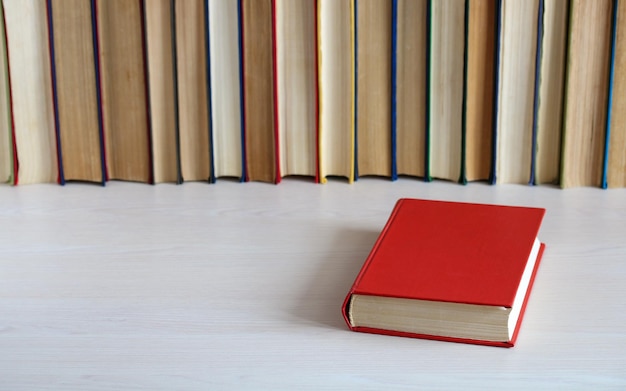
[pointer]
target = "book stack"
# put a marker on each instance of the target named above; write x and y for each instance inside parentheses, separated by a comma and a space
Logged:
(153, 91)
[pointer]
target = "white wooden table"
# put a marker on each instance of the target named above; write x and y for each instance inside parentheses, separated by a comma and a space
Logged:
(239, 286)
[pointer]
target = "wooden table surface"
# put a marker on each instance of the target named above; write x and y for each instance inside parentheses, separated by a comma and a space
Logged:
(239, 286)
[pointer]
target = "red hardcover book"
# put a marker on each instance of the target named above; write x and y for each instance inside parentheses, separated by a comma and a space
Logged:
(449, 271)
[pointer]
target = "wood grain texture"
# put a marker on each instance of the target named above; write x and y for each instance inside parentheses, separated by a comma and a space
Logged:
(373, 120)
(481, 53)
(76, 86)
(193, 103)
(123, 83)
(240, 287)
(259, 90)
(616, 173)
(586, 93)
(411, 92)
(161, 82)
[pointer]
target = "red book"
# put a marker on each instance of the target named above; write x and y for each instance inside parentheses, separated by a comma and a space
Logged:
(449, 271)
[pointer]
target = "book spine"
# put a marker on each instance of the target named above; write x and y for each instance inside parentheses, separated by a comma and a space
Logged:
(533, 159)
(605, 159)
(429, 7)
(463, 174)
(277, 173)
(496, 92)
(355, 15)
(10, 115)
(207, 43)
(55, 100)
(146, 75)
(179, 170)
(317, 93)
(96, 54)
(394, 89)
(242, 94)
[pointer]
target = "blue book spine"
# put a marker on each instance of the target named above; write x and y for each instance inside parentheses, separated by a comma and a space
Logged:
(244, 173)
(394, 89)
(427, 177)
(463, 176)
(605, 161)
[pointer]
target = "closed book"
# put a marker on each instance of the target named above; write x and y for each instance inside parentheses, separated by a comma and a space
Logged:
(449, 271)
(586, 93)
(27, 43)
(163, 120)
(124, 90)
(373, 88)
(409, 87)
(78, 119)
(480, 55)
(614, 173)
(259, 90)
(336, 88)
(192, 93)
(515, 113)
(446, 78)
(6, 120)
(226, 88)
(296, 87)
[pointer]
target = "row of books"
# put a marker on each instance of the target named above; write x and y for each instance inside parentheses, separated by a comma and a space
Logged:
(505, 91)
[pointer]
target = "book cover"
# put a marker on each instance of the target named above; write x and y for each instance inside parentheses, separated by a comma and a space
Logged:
(464, 254)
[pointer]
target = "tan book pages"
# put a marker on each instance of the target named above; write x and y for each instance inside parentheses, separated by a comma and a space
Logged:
(551, 86)
(336, 88)
(446, 88)
(161, 85)
(480, 75)
(616, 170)
(225, 88)
(518, 52)
(586, 93)
(411, 90)
(259, 90)
(123, 83)
(192, 91)
(373, 121)
(76, 90)
(31, 89)
(296, 86)
(6, 144)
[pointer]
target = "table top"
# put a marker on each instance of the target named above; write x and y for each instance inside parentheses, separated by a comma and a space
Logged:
(239, 286)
